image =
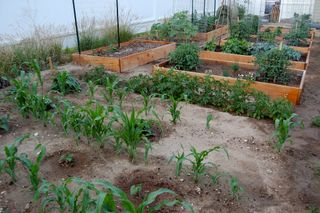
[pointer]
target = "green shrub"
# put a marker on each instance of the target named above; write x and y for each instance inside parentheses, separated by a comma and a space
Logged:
(236, 46)
(241, 11)
(178, 28)
(239, 30)
(205, 23)
(65, 83)
(266, 36)
(185, 57)
(316, 121)
(273, 66)
(278, 31)
(98, 76)
(210, 45)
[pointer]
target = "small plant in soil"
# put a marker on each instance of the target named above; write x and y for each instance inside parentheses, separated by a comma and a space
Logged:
(209, 119)
(236, 46)
(185, 57)
(8, 165)
(175, 110)
(33, 168)
(109, 90)
(4, 123)
(283, 128)
(225, 73)
(235, 67)
(65, 83)
(147, 105)
(67, 160)
(131, 132)
(92, 88)
(197, 159)
(316, 121)
(98, 76)
(235, 188)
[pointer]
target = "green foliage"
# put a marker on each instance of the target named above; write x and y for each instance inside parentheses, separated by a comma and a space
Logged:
(65, 83)
(185, 57)
(278, 31)
(178, 28)
(111, 37)
(240, 30)
(175, 110)
(236, 46)
(209, 119)
(147, 105)
(8, 164)
(210, 45)
(283, 128)
(67, 159)
(78, 195)
(241, 11)
(291, 53)
(236, 190)
(273, 66)
(232, 98)
(131, 132)
(235, 67)
(197, 160)
(261, 47)
(99, 76)
(110, 87)
(266, 36)
(4, 123)
(316, 121)
(299, 32)
(205, 23)
(33, 168)
(261, 106)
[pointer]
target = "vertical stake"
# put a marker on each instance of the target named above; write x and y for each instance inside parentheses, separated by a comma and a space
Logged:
(192, 11)
(204, 7)
(118, 25)
(214, 8)
(76, 24)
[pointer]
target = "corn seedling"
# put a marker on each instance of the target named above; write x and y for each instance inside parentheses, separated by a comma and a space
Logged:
(36, 67)
(65, 83)
(209, 119)
(33, 168)
(8, 164)
(236, 189)
(4, 123)
(109, 89)
(174, 110)
(67, 160)
(147, 105)
(92, 88)
(131, 132)
(121, 94)
(197, 159)
(283, 128)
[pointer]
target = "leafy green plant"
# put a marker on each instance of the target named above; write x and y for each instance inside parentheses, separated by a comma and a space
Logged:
(197, 160)
(99, 76)
(273, 66)
(225, 73)
(109, 90)
(283, 128)
(147, 105)
(175, 110)
(281, 108)
(8, 164)
(131, 132)
(236, 189)
(316, 121)
(239, 30)
(266, 36)
(67, 160)
(235, 67)
(278, 31)
(4, 123)
(209, 119)
(236, 46)
(65, 83)
(204, 22)
(33, 168)
(261, 47)
(210, 45)
(185, 57)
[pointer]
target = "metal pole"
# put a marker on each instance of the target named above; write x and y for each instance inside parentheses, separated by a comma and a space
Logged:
(76, 24)
(192, 11)
(214, 8)
(118, 27)
(204, 7)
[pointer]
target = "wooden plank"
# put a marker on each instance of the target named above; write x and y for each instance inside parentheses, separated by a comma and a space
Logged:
(112, 64)
(273, 90)
(212, 34)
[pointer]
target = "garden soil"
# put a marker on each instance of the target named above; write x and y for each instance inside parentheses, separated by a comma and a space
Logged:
(272, 182)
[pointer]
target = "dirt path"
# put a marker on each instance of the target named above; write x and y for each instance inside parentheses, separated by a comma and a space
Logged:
(273, 182)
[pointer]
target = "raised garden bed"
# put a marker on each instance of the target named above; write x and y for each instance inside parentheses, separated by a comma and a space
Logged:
(212, 34)
(248, 60)
(215, 68)
(284, 30)
(131, 54)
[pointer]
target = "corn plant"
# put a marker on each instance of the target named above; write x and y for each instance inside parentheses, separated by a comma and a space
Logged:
(93, 122)
(36, 67)
(236, 189)
(283, 128)
(121, 94)
(92, 88)
(65, 83)
(147, 105)
(131, 132)
(4, 123)
(109, 89)
(174, 110)
(197, 160)
(8, 164)
(209, 119)
(33, 168)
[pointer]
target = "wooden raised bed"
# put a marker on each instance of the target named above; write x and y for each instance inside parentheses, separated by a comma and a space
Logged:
(247, 60)
(273, 90)
(212, 34)
(125, 63)
(285, 30)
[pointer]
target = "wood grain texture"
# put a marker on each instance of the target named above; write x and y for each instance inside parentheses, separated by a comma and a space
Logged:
(212, 34)
(275, 91)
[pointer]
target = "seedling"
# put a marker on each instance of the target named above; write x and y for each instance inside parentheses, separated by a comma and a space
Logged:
(33, 168)
(225, 73)
(67, 160)
(110, 87)
(235, 67)
(174, 110)
(316, 121)
(147, 105)
(65, 83)
(92, 88)
(4, 123)
(236, 190)
(209, 119)
(283, 128)
(197, 159)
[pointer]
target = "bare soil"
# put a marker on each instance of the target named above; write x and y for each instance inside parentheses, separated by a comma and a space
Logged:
(273, 182)
(138, 46)
(4, 83)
